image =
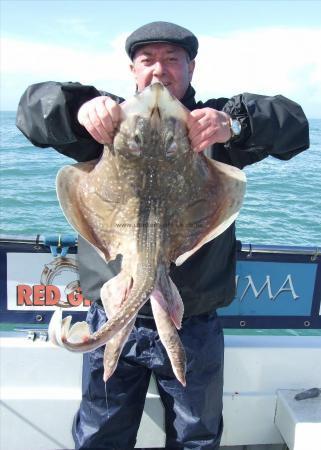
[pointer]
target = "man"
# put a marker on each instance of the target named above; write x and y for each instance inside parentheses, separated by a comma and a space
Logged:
(77, 120)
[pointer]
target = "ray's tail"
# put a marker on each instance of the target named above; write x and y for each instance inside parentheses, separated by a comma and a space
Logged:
(78, 338)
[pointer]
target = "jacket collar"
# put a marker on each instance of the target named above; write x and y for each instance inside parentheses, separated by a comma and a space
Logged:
(188, 99)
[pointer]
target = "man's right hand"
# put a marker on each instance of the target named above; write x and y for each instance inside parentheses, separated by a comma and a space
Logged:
(100, 116)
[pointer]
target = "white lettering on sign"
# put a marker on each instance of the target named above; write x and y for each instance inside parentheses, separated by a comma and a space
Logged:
(287, 286)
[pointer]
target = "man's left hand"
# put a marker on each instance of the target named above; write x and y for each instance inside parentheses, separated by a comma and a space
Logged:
(208, 126)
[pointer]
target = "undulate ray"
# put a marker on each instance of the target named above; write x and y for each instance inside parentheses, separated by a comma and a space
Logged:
(153, 200)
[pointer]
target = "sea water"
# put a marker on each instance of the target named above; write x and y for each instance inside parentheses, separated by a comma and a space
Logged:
(282, 204)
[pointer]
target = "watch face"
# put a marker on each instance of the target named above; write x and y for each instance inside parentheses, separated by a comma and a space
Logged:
(236, 127)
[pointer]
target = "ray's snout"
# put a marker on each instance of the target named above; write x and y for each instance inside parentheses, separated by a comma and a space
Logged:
(156, 91)
(157, 87)
(155, 117)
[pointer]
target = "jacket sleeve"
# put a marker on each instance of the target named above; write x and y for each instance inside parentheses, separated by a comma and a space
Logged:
(47, 116)
(273, 126)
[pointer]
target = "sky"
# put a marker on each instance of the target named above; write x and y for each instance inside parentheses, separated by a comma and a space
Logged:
(263, 47)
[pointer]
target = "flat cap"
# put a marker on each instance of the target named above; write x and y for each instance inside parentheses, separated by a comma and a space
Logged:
(162, 32)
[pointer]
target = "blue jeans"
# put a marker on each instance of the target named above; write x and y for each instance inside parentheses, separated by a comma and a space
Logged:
(193, 415)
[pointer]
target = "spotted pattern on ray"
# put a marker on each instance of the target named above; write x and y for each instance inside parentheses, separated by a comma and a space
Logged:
(153, 200)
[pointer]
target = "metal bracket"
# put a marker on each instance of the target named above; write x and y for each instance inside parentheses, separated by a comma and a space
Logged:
(32, 334)
(316, 254)
(59, 245)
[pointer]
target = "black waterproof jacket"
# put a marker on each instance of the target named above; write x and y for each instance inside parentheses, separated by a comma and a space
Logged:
(47, 116)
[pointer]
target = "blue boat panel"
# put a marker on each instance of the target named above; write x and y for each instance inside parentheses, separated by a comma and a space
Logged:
(274, 289)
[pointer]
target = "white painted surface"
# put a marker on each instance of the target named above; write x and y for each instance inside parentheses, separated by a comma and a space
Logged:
(40, 391)
(299, 422)
(256, 367)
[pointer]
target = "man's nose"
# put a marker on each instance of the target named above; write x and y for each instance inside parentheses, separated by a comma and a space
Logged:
(158, 69)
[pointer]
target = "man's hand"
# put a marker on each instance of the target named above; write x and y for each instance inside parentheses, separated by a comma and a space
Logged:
(100, 116)
(208, 126)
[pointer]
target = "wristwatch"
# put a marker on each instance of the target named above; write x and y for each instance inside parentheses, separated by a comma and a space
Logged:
(235, 127)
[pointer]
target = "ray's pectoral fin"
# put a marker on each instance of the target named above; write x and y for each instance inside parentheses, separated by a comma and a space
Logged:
(70, 195)
(226, 188)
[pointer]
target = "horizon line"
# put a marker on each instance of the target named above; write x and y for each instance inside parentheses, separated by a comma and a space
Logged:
(13, 110)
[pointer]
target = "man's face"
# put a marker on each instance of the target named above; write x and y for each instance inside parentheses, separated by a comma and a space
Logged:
(165, 63)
